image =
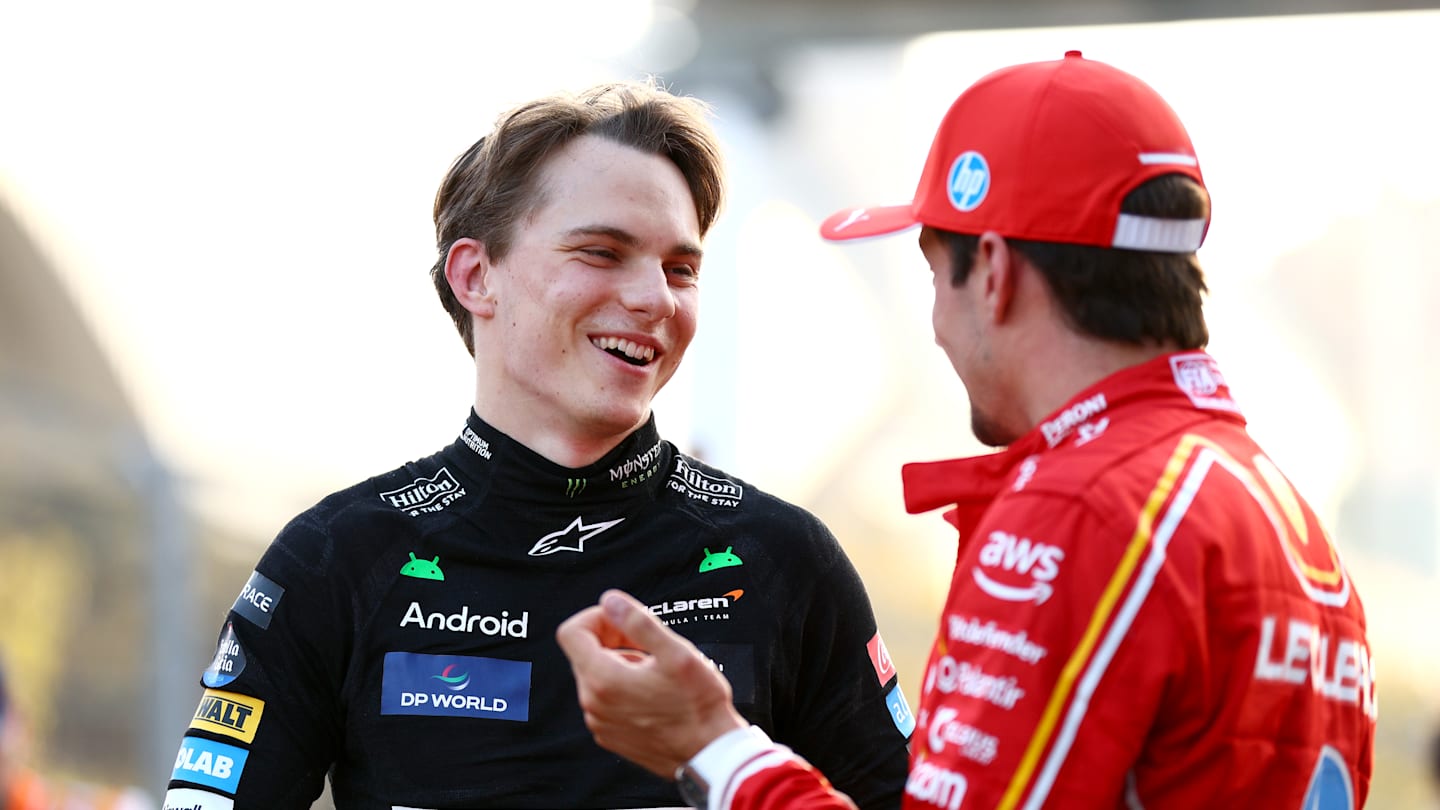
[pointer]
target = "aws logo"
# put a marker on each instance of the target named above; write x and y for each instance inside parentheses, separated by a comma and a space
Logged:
(1021, 569)
(230, 714)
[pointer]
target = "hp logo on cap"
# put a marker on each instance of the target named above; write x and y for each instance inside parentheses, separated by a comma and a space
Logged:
(969, 181)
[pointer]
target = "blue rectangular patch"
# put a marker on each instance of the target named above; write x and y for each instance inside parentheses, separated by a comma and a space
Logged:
(900, 711)
(209, 763)
(259, 599)
(455, 686)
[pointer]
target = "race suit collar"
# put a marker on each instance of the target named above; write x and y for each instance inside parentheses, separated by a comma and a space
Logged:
(511, 469)
(1185, 383)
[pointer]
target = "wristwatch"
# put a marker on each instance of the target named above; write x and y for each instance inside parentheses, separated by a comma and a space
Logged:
(693, 787)
(718, 762)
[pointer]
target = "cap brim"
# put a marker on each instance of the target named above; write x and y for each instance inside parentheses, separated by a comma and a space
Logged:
(858, 223)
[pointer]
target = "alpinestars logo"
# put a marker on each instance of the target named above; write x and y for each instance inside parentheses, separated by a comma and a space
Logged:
(426, 494)
(572, 537)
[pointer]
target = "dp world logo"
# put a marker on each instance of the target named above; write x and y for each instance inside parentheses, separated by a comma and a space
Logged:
(969, 181)
(453, 682)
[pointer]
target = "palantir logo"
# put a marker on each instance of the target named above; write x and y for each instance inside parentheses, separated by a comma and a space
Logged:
(1008, 555)
(969, 181)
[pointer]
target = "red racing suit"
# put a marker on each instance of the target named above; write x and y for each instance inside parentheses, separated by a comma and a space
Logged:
(1143, 613)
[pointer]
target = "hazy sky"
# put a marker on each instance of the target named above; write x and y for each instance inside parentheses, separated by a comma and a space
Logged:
(239, 199)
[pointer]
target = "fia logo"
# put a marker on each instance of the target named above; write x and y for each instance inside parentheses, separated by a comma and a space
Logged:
(969, 181)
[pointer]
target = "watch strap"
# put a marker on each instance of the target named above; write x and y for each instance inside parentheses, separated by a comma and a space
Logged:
(703, 779)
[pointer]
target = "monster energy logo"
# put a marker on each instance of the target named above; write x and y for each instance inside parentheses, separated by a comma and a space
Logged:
(575, 486)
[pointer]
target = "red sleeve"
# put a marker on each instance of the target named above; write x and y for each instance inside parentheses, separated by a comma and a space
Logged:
(780, 780)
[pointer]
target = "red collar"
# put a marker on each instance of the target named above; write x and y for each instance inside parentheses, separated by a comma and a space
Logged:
(1184, 381)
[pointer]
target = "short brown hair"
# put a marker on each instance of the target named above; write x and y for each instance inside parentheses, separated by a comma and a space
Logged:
(494, 184)
(1132, 296)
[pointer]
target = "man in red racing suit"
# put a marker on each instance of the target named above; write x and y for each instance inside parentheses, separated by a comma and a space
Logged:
(1144, 612)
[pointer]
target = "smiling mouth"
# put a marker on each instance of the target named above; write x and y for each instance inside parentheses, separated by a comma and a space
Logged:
(627, 350)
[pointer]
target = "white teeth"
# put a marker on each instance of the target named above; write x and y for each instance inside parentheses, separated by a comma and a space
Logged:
(627, 347)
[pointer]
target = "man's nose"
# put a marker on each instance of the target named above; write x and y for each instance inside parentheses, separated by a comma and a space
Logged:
(647, 290)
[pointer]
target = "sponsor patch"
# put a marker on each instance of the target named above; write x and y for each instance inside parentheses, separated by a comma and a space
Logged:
(720, 559)
(229, 660)
(969, 181)
(900, 711)
(209, 763)
(1307, 547)
(229, 713)
(1198, 375)
(1330, 787)
(935, 785)
(970, 630)
(950, 677)
(192, 799)
(972, 743)
(699, 486)
(473, 441)
(737, 663)
(1066, 421)
(704, 609)
(1017, 569)
(570, 538)
(638, 469)
(880, 658)
(463, 621)
(455, 686)
(259, 599)
(426, 494)
(422, 569)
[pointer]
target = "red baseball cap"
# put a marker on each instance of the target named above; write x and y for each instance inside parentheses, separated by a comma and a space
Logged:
(1046, 151)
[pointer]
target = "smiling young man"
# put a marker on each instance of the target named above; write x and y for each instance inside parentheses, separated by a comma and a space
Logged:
(400, 634)
(1144, 612)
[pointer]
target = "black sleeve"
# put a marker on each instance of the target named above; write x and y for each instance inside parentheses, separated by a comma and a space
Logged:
(268, 725)
(845, 713)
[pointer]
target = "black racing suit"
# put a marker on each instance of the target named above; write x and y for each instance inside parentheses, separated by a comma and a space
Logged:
(400, 635)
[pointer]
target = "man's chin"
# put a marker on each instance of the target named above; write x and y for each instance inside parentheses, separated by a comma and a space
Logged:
(990, 432)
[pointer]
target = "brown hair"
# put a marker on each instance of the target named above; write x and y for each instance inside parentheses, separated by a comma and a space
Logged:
(495, 184)
(1132, 296)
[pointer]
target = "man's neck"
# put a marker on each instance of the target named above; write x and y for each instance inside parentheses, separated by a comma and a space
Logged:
(563, 446)
(1074, 363)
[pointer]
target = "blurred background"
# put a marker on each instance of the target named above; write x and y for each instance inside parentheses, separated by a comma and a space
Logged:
(214, 309)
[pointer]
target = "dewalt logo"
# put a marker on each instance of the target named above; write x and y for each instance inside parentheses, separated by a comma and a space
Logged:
(228, 713)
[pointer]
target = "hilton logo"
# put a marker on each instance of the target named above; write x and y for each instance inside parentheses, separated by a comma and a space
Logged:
(426, 494)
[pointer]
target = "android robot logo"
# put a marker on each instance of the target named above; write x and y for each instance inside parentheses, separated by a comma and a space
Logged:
(720, 559)
(423, 569)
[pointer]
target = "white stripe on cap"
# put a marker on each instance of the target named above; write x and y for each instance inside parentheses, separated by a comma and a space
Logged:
(1161, 158)
(1163, 235)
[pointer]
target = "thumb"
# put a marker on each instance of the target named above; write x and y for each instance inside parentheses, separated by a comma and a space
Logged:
(637, 623)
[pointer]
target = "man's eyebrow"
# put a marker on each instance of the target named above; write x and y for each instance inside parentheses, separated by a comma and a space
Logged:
(630, 240)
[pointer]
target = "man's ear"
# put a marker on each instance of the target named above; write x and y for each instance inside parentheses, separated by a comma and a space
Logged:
(467, 269)
(999, 263)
